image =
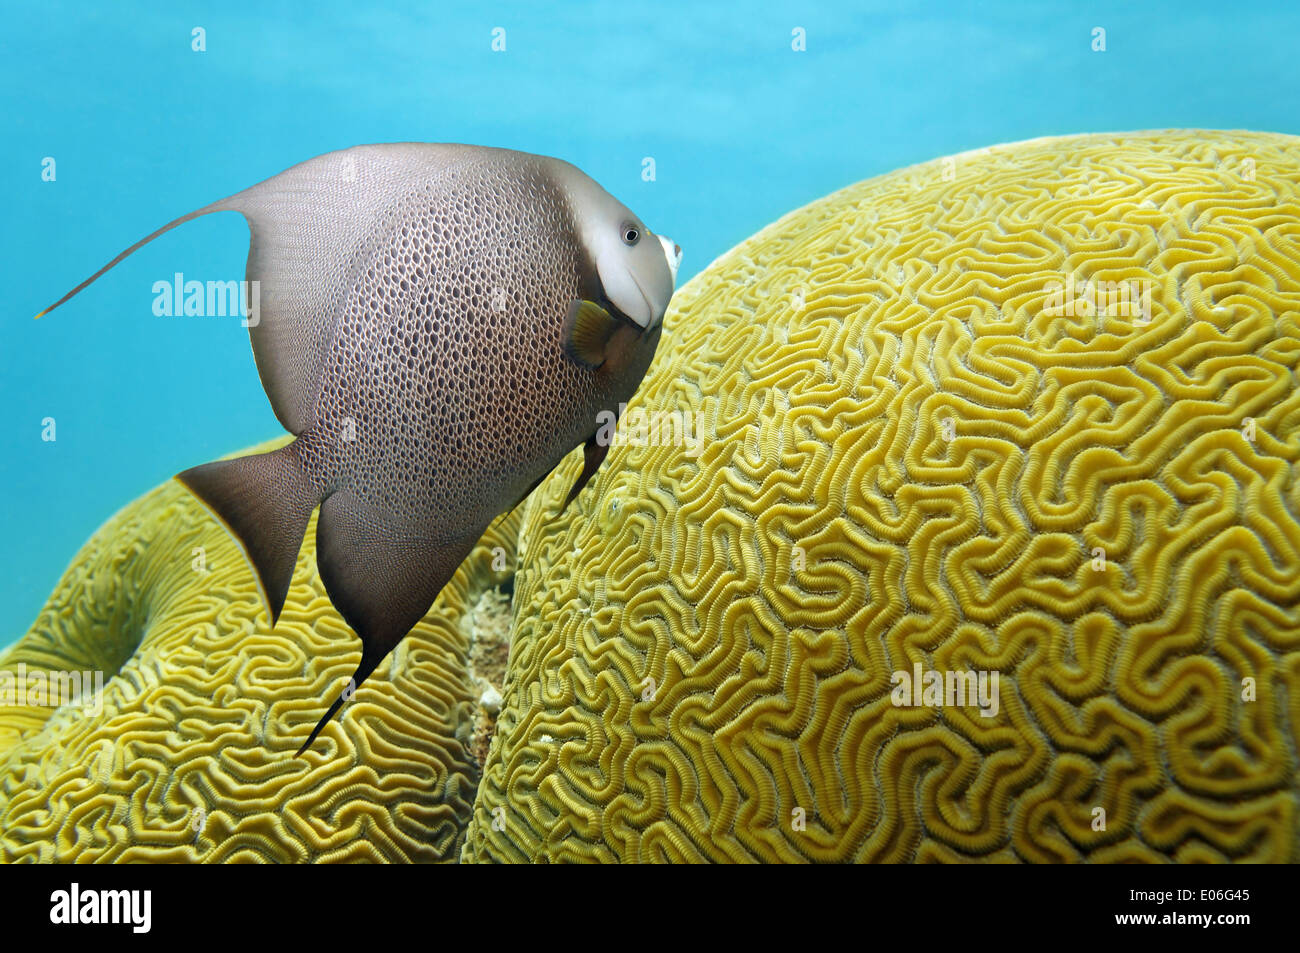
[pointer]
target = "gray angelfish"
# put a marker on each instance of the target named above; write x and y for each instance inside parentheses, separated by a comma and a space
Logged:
(439, 326)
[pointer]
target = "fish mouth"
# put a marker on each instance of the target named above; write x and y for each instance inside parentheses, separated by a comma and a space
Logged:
(651, 317)
(672, 252)
(650, 297)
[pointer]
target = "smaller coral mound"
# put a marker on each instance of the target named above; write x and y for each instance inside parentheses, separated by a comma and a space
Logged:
(187, 753)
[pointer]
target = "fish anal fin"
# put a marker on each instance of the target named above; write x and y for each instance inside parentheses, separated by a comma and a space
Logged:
(369, 662)
(265, 502)
(587, 330)
(381, 578)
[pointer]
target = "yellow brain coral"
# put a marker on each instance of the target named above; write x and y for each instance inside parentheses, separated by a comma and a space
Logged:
(1024, 419)
(190, 755)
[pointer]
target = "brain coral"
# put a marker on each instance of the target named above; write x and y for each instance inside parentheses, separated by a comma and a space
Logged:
(191, 757)
(939, 432)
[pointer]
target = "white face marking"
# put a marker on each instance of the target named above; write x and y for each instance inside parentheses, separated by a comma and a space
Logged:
(673, 253)
(621, 286)
(637, 275)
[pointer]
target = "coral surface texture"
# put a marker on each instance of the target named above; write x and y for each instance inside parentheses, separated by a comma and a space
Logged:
(188, 754)
(956, 519)
(1026, 412)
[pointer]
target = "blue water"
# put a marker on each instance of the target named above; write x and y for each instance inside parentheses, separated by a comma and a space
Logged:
(741, 127)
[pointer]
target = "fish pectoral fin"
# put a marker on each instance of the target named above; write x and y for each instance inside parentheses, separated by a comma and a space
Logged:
(381, 578)
(587, 331)
(593, 456)
(265, 502)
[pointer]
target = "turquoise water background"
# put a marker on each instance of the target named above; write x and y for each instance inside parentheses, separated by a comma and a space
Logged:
(742, 129)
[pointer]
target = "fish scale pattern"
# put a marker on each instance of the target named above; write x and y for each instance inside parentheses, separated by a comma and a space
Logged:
(1027, 413)
(457, 302)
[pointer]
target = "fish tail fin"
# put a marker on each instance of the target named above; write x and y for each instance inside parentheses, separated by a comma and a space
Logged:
(265, 501)
(219, 206)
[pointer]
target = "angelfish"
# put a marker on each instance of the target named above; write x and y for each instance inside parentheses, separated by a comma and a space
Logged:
(439, 326)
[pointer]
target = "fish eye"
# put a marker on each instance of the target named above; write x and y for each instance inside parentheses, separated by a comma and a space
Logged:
(631, 234)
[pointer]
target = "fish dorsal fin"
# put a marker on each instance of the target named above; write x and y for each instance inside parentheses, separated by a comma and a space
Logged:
(312, 227)
(587, 331)
(206, 210)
